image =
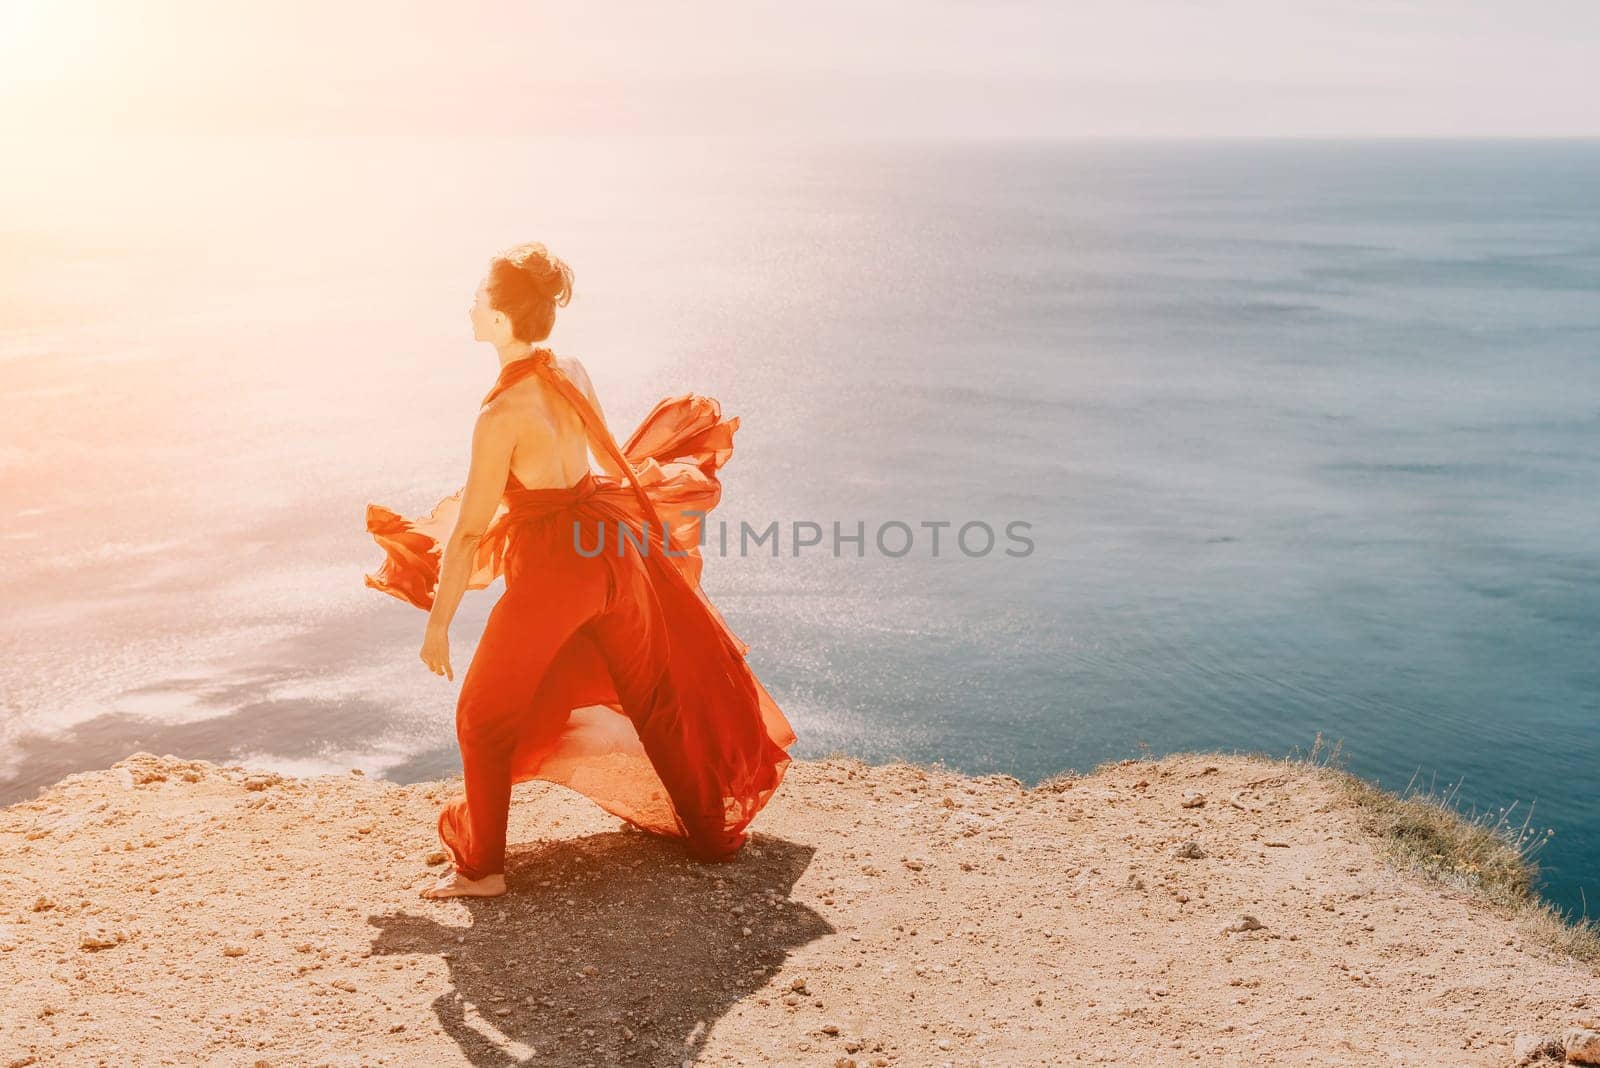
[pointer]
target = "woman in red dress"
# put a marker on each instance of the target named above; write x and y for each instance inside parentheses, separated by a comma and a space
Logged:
(603, 666)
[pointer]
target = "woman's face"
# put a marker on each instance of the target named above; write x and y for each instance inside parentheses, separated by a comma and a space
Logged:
(487, 324)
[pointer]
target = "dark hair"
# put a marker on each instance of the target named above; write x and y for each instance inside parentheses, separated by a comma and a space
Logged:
(527, 283)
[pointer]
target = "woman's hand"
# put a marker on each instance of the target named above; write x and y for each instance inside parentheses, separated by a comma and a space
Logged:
(436, 651)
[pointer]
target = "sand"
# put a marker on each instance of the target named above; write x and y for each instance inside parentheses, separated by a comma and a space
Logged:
(1198, 909)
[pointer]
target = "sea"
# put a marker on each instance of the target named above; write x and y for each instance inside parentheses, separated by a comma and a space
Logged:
(1131, 447)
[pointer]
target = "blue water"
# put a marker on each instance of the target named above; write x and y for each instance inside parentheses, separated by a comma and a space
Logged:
(1307, 436)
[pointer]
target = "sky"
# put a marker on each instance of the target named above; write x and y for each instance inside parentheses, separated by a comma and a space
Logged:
(1095, 68)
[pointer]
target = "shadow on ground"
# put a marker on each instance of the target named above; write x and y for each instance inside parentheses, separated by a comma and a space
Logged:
(608, 949)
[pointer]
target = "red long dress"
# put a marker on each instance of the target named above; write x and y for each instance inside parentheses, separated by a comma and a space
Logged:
(603, 666)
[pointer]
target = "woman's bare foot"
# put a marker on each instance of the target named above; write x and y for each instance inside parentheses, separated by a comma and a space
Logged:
(453, 884)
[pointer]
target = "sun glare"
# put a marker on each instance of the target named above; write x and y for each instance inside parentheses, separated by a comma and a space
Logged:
(46, 47)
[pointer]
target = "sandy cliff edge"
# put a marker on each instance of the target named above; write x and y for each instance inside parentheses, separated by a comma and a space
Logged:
(1200, 908)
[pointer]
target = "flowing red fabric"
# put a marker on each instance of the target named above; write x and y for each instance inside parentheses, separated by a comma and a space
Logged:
(603, 666)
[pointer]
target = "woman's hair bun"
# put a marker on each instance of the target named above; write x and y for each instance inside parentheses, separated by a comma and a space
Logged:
(528, 284)
(550, 276)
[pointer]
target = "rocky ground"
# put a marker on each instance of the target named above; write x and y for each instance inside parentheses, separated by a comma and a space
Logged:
(1199, 909)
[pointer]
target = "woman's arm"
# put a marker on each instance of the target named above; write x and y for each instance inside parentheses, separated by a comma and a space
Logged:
(493, 436)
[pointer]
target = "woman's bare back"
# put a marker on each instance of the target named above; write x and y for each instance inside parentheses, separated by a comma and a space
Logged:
(552, 448)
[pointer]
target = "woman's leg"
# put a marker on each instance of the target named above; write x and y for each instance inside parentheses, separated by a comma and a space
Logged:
(631, 636)
(525, 631)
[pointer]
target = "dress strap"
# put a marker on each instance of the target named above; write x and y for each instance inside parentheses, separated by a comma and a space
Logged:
(543, 363)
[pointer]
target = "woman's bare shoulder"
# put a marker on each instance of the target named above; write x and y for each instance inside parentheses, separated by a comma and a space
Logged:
(574, 369)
